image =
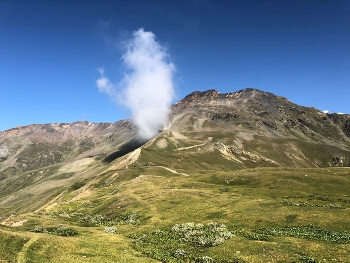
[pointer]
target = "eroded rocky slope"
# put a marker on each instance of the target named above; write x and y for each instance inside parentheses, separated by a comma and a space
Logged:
(257, 123)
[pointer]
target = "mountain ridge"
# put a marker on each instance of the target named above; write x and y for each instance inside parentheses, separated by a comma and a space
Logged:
(244, 129)
(268, 110)
(248, 110)
(248, 159)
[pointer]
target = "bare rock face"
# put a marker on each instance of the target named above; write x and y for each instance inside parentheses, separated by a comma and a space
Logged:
(342, 120)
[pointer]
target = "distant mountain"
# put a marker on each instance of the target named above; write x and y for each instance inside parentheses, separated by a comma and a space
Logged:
(35, 146)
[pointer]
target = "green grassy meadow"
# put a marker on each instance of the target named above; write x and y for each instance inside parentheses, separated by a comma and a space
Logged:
(272, 215)
(182, 200)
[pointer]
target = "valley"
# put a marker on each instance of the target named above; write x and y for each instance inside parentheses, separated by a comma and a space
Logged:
(246, 176)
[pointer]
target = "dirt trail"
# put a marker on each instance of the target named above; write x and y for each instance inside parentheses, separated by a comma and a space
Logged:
(19, 223)
(173, 171)
(21, 257)
(193, 146)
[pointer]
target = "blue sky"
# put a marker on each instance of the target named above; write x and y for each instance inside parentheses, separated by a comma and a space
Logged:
(50, 52)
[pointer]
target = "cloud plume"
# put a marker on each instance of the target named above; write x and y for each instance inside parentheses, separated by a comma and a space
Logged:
(147, 89)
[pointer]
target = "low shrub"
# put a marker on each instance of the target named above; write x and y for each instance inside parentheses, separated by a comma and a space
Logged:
(252, 236)
(95, 220)
(39, 229)
(309, 232)
(128, 219)
(62, 231)
(186, 242)
(59, 231)
(211, 235)
(110, 230)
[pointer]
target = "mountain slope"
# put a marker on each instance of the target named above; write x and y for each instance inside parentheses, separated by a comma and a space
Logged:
(30, 147)
(40, 161)
(252, 125)
(207, 130)
(267, 114)
(248, 159)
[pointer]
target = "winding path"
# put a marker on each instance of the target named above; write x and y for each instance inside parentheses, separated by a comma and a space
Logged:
(190, 147)
(173, 171)
(21, 257)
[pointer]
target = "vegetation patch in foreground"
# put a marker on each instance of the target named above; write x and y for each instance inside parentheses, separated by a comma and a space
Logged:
(186, 242)
(59, 231)
(309, 232)
(99, 220)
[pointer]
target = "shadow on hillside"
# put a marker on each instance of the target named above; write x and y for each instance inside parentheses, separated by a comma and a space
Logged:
(125, 149)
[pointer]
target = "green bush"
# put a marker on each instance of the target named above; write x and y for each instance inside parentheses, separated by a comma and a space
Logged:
(99, 220)
(59, 231)
(62, 231)
(39, 229)
(128, 219)
(110, 230)
(186, 242)
(211, 235)
(95, 220)
(252, 236)
(309, 232)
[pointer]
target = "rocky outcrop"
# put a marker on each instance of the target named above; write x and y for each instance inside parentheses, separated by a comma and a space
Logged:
(342, 121)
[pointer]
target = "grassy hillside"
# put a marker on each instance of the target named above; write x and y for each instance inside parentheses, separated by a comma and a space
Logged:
(155, 210)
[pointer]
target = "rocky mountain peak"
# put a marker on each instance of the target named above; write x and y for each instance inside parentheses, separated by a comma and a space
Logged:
(265, 113)
(210, 94)
(201, 95)
(240, 99)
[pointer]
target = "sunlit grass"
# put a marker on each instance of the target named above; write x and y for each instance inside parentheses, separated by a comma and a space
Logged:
(245, 201)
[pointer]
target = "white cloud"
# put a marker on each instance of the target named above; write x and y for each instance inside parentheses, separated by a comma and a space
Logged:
(105, 86)
(326, 111)
(148, 89)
